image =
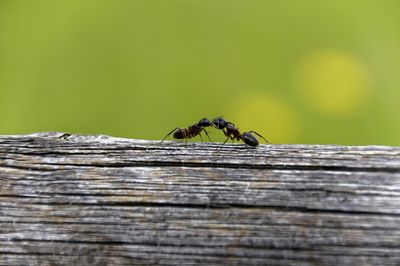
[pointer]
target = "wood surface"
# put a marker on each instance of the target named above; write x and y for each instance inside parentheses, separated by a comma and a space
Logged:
(98, 200)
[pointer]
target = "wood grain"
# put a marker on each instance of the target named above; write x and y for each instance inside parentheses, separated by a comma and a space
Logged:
(98, 200)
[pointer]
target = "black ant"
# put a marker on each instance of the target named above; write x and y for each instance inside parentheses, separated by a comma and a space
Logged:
(192, 131)
(232, 132)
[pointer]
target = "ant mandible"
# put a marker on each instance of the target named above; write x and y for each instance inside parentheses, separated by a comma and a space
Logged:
(232, 132)
(192, 131)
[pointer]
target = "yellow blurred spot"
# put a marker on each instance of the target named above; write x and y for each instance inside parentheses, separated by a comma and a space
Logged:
(269, 116)
(334, 82)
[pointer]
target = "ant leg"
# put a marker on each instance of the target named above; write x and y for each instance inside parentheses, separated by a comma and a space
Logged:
(169, 134)
(201, 137)
(260, 136)
(229, 136)
(205, 131)
(223, 144)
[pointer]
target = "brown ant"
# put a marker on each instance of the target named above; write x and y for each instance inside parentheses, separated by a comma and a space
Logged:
(192, 131)
(232, 132)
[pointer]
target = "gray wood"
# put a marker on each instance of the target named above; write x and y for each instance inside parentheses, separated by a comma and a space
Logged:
(99, 200)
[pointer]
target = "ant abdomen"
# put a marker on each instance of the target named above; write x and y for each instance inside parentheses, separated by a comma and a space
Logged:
(249, 139)
(179, 133)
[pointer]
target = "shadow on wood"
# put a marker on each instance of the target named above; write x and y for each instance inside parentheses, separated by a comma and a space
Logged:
(98, 200)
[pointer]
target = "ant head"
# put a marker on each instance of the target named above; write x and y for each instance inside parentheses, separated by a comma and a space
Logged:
(179, 134)
(204, 123)
(249, 139)
(220, 122)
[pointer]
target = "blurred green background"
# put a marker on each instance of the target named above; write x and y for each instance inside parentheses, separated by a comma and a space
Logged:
(305, 71)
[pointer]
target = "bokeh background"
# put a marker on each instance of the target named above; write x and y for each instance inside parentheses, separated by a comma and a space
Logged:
(306, 71)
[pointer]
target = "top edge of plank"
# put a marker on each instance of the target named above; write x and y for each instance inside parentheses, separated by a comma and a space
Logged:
(107, 139)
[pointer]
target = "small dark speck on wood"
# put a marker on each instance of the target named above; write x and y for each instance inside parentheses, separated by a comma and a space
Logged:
(70, 199)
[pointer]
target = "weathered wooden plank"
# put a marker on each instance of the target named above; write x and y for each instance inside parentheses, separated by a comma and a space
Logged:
(98, 200)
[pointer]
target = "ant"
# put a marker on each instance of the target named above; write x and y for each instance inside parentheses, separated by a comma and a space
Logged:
(192, 131)
(232, 132)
